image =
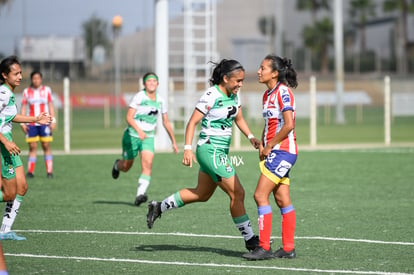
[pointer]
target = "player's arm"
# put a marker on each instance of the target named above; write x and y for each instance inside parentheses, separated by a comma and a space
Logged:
(10, 146)
(23, 112)
(131, 122)
(189, 157)
(242, 125)
(287, 127)
(167, 125)
(43, 118)
(52, 115)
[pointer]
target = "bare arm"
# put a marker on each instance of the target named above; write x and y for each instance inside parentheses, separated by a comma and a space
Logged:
(23, 112)
(131, 122)
(195, 118)
(52, 114)
(288, 126)
(43, 118)
(167, 125)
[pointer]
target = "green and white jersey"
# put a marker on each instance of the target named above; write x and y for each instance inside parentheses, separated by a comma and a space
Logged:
(8, 109)
(219, 112)
(146, 112)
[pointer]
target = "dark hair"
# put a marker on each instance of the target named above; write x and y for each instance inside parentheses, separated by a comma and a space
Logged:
(33, 74)
(224, 68)
(148, 74)
(287, 74)
(5, 66)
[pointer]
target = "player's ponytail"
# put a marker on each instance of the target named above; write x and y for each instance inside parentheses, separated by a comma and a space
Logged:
(224, 68)
(287, 74)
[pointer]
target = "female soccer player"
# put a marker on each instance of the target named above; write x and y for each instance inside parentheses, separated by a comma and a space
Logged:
(278, 153)
(217, 109)
(38, 98)
(139, 135)
(12, 171)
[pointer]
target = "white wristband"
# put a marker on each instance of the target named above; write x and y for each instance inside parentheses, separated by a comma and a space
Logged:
(188, 147)
(250, 136)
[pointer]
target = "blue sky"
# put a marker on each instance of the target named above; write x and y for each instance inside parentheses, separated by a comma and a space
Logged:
(64, 18)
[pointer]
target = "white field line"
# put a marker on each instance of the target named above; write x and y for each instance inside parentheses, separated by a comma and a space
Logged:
(203, 264)
(206, 235)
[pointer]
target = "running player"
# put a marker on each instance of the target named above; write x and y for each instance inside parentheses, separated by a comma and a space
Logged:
(139, 135)
(216, 110)
(38, 99)
(14, 185)
(278, 153)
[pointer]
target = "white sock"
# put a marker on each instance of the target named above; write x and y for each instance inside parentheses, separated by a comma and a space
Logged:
(10, 213)
(171, 202)
(143, 183)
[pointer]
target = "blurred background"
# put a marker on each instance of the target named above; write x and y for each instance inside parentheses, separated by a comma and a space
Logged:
(349, 48)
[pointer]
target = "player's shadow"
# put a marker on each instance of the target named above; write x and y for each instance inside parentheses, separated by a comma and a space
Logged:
(115, 203)
(188, 248)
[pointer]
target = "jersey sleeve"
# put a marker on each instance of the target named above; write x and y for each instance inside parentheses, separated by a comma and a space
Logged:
(285, 99)
(206, 102)
(136, 101)
(4, 100)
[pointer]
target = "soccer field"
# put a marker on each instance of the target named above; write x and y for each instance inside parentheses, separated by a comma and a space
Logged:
(354, 212)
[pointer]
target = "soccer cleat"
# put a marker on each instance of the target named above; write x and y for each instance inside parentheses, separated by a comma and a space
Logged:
(252, 243)
(49, 175)
(115, 172)
(154, 212)
(11, 236)
(140, 199)
(258, 254)
(29, 175)
(283, 254)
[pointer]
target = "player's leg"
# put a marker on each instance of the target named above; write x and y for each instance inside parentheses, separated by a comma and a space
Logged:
(13, 205)
(147, 157)
(201, 193)
(282, 198)
(32, 137)
(3, 269)
(8, 174)
(129, 152)
(233, 188)
(46, 138)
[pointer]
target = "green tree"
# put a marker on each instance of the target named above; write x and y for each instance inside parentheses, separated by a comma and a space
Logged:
(360, 11)
(313, 6)
(318, 38)
(95, 32)
(404, 7)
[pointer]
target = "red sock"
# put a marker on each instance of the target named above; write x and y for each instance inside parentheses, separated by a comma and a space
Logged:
(288, 230)
(31, 165)
(49, 163)
(265, 226)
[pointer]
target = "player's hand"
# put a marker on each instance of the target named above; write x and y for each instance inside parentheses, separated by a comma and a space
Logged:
(142, 134)
(12, 148)
(43, 118)
(255, 142)
(175, 148)
(265, 152)
(188, 158)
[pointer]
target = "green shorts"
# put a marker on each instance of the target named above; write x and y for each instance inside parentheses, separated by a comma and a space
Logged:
(9, 162)
(132, 145)
(215, 162)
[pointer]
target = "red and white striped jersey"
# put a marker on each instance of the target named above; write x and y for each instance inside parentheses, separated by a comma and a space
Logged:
(37, 100)
(275, 102)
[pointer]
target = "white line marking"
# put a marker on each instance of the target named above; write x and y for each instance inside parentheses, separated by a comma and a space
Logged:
(203, 264)
(206, 235)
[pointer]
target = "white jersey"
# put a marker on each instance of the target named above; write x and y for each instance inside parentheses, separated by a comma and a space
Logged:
(146, 112)
(219, 112)
(8, 109)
